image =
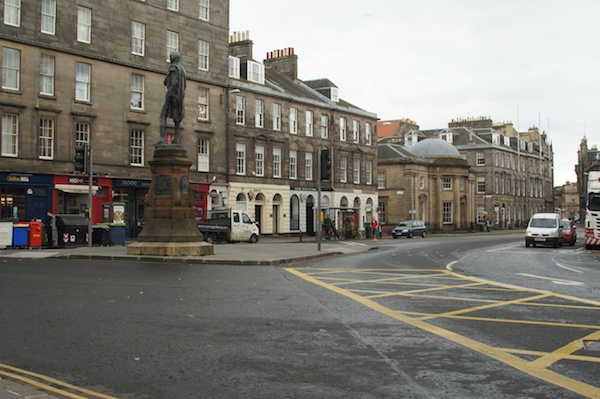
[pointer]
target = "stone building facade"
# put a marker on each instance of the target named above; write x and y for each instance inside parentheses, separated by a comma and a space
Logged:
(513, 171)
(278, 125)
(588, 159)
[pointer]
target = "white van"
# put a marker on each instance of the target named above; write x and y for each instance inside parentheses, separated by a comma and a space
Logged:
(544, 229)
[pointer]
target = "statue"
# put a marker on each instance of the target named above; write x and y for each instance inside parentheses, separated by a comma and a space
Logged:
(174, 108)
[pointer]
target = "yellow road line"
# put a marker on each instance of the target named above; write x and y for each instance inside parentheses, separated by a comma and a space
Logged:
(553, 357)
(49, 380)
(525, 366)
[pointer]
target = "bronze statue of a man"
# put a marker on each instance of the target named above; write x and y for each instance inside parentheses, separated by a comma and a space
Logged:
(174, 108)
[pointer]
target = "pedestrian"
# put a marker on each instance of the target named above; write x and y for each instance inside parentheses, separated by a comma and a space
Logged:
(374, 225)
(487, 224)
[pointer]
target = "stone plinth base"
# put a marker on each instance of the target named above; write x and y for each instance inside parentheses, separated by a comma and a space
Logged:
(199, 248)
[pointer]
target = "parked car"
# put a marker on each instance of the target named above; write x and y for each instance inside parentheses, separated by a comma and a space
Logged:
(544, 229)
(410, 228)
(569, 232)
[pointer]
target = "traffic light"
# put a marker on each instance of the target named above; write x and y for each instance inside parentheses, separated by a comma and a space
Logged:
(325, 164)
(81, 158)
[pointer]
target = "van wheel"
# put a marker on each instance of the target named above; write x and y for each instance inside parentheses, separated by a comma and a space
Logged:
(210, 238)
(253, 239)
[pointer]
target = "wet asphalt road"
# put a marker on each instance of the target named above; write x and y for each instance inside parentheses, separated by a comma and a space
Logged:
(150, 330)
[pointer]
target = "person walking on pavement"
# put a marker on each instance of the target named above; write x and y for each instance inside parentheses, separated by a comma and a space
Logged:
(374, 225)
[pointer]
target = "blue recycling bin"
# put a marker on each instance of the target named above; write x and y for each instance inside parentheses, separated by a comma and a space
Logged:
(20, 235)
(117, 233)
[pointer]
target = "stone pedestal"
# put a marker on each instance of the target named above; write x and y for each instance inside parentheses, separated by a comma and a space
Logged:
(170, 228)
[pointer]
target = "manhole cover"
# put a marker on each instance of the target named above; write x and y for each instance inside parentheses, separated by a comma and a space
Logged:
(591, 345)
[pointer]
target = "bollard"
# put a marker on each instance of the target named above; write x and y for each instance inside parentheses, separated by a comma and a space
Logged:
(300, 235)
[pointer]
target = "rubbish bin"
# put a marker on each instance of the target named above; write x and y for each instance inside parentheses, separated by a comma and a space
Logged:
(117, 233)
(20, 235)
(71, 230)
(101, 235)
(35, 234)
(6, 234)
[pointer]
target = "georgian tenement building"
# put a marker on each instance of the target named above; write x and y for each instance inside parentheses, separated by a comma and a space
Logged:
(92, 72)
(513, 170)
(588, 159)
(277, 126)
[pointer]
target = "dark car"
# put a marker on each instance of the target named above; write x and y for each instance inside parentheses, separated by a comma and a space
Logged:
(410, 228)
(569, 232)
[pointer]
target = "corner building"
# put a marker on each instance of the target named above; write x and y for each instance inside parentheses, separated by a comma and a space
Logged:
(277, 127)
(92, 72)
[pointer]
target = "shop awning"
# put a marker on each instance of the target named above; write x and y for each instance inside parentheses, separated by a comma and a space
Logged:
(75, 188)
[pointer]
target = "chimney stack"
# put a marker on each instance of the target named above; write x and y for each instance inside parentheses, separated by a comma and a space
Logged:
(283, 61)
(240, 45)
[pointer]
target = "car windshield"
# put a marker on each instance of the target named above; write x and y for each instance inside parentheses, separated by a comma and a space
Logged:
(539, 222)
(404, 224)
(566, 224)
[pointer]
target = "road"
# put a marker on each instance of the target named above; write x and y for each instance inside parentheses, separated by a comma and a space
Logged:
(441, 317)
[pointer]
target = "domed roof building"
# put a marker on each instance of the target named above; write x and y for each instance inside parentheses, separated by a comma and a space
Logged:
(429, 181)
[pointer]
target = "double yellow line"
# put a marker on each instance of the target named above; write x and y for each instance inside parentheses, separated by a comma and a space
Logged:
(49, 384)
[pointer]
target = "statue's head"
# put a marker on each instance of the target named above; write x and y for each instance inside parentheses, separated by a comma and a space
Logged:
(175, 56)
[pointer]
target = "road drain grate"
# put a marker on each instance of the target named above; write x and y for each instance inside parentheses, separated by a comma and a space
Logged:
(590, 345)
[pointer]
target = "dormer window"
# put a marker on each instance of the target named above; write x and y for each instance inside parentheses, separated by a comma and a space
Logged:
(496, 138)
(410, 139)
(234, 67)
(506, 141)
(256, 72)
(335, 94)
(448, 137)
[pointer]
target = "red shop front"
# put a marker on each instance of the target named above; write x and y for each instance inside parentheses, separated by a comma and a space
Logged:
(200, 202)
(71, 194)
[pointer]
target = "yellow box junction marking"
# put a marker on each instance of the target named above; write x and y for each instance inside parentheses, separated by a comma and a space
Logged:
(354, 284)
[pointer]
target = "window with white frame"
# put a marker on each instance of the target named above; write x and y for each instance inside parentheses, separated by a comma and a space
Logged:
(203, 155)
(138, 38)
(355, 131)
(203, 49)
(447, 213)
(335, 94)
(480, 214)
(256, 72)
(240, 110)
(46, 150)
(84, 24)
(422, 182)
(11, 68)
(277, 162)
(48, 17)
(356, 171)
(204, 10)
(136, 147)
(448, 137)
(480, 159)
(259, 156)
(234, 67)
(276, 116)
(83, 80)
(82, 133)
(240, 159)
(173, 5)
(203, 104)
(259, 113)
(342, 128)
(447, 183)
(506, 141)
(12, 12)
(172, 43)
(382, 210)
(293, 120)
(137, 91)
(343, 169)
(380, 180)
(10, 135)
(309, 123)
(47, 75)
(308, 165)
(293, 164)
(324, 126)
(369, 133)
(369, 171)
(495, 138)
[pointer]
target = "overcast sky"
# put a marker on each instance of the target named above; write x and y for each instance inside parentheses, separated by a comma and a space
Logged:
(532, 62)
